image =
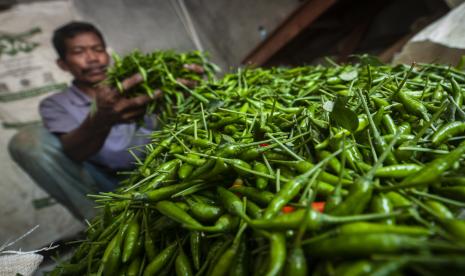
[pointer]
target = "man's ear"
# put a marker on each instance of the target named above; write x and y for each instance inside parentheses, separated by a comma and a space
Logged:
(62, 64)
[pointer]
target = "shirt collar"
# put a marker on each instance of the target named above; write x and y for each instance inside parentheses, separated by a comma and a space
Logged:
(78, 97)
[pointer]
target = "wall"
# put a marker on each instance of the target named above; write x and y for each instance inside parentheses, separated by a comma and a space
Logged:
(231, 28)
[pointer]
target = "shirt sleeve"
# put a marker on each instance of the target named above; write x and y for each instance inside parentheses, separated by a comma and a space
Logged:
(151, 122)
(55, 117)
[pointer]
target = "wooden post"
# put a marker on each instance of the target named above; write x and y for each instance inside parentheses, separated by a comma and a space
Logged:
(300, 19)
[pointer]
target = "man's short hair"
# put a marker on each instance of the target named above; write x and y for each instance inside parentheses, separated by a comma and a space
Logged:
(70, 30)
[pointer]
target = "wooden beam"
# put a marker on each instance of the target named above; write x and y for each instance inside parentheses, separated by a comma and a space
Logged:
(300, 19)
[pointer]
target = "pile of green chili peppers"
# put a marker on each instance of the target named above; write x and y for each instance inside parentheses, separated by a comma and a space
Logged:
(231, 185)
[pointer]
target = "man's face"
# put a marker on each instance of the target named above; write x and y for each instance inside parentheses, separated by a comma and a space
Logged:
(86, 58)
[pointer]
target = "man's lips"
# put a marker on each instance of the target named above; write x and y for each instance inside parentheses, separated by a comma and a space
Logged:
(95, 71)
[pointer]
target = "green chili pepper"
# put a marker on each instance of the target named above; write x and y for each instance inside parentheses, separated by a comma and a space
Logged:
(260, 182)
(432, 171)
(185, 171)
(171, 210)
(163, 145)
(305, 166)
(199, 142)
(203, 169)
(277, 253)
(315, 220)
(457, 192)
(389, 124)
(334, 164)
(325, 189)
(239, 166)
(220, 167)
(112, 257)
(402, 138)
(253, 210)
(359, 196)
(370, 228)
(397, 200)
(231, 202)
(195, 239)
(225, 223)
(183, 264)
(413, 106)
(455, 227)
(203, 211)
(230, 129)
(226, 259)
(157, 264)
(134, 267)
(398, 170)
(131, 240)
(240, 266)
(378, 117)
(439, 209)
(217, 249)
(191, 158)
(296, 262)
(149, 244)
(175, 148)
(389, 267)
(161, 193)
(364, 245)
(223, 122)
(166, 171)
(457, 92)
(262, 198)
(362, 267)
(447, 131)
(381, 204)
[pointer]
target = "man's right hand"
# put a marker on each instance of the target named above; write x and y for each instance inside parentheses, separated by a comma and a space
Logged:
(114, 108)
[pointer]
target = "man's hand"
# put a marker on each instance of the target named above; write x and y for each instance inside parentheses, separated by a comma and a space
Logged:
(114, 108)
(193, 68)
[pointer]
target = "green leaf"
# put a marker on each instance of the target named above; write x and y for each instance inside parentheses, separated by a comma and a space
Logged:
(366, 59)
(348, 75)
(461, 63)
(343, 116)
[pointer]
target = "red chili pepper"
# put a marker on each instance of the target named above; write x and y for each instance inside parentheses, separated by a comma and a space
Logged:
(264, 145)
(318, 206)
(288, 209)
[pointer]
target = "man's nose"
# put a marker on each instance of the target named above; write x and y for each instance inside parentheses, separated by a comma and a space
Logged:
(91, 56)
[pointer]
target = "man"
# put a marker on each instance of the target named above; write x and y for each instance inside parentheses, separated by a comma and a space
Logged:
(78, 151)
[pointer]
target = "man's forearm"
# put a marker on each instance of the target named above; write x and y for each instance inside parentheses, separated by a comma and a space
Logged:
(84, 141)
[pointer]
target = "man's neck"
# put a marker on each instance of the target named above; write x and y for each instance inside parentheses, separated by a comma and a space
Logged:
(87, 88)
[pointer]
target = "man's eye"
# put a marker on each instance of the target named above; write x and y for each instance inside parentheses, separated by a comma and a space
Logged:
(99, 49)
(77, 51)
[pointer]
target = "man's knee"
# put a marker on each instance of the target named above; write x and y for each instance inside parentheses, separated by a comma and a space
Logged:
(31, 142)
